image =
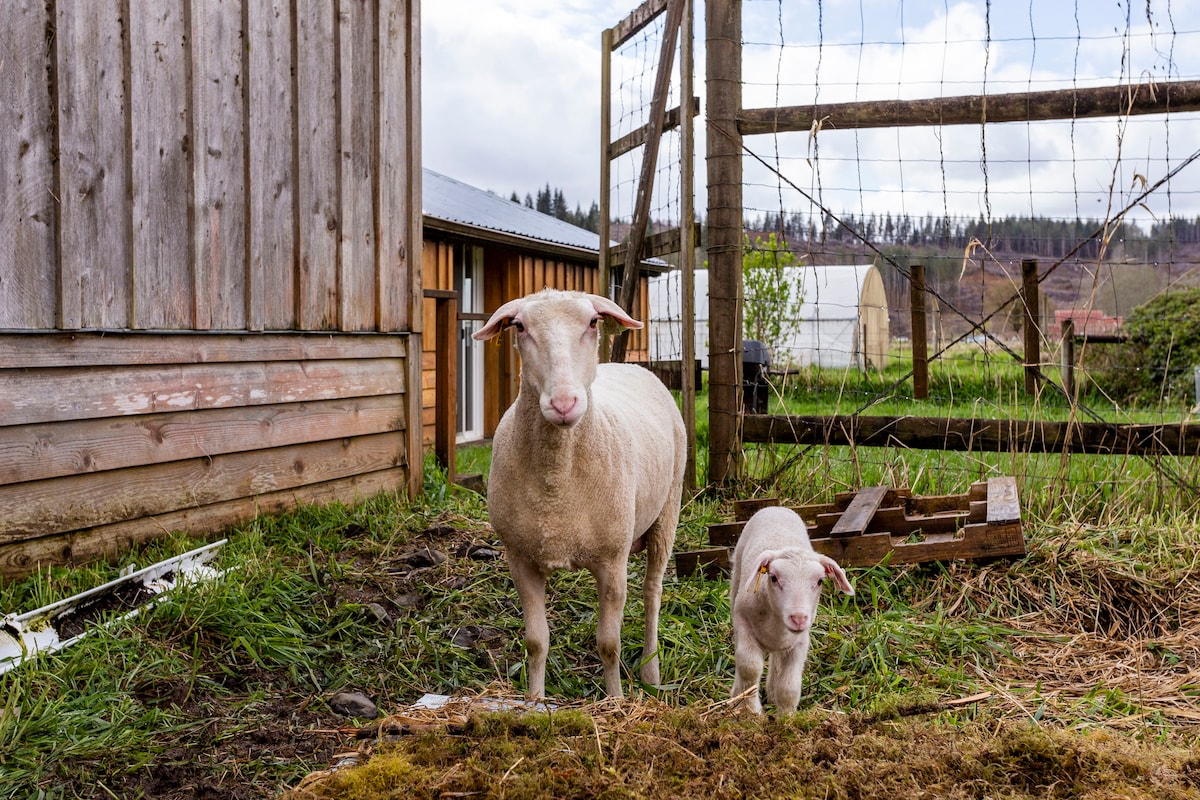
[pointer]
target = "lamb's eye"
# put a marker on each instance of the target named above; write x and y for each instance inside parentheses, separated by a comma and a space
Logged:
(595, 321)
(774, 579)
(520, 326)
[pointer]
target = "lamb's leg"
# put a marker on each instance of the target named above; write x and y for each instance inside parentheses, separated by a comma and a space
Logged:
(531, 589)
(785, 676)
(611, 584)
(748, 660)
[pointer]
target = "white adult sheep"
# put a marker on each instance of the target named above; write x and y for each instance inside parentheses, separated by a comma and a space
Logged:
(587, 468)
(774, 586)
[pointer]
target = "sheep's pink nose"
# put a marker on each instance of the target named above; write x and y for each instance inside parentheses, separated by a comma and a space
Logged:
(564, 405)
(797, 622)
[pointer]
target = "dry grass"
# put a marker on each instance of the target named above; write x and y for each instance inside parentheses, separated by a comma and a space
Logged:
(645, 748)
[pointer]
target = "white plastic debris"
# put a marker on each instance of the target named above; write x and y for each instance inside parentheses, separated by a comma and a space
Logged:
(24, 636)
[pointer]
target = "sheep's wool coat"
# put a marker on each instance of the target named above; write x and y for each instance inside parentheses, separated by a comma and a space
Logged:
(571, 516)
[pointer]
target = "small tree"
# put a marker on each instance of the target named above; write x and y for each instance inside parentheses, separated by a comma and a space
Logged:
(772, 297)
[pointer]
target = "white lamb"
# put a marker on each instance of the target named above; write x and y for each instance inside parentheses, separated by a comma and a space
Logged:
(587, 468)
(773, 591)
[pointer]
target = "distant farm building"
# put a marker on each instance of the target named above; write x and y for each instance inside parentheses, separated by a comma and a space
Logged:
(842, 320)
(1089, 322)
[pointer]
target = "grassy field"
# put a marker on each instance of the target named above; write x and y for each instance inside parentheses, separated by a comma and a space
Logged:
(1073, 672)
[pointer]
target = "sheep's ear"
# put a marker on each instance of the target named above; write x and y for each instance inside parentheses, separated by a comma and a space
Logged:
(607, 308)
(499, 320)
(834, 571)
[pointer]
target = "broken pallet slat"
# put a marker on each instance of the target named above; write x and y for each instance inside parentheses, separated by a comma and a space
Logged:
(858, 515)
(876, 523)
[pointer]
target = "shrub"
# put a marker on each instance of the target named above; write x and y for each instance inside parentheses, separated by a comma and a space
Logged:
(1163, 346)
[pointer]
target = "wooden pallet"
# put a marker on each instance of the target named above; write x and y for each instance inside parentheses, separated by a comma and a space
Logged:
(861, 529)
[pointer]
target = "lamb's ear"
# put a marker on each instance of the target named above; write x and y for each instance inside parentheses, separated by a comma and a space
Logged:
(499, 320)
(610, 310)
(834, 571)
(760, 569)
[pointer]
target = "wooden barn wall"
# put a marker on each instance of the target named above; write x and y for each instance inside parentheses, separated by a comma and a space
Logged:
(236, 166)
(209, 265)
(112, 439)
(508, 273)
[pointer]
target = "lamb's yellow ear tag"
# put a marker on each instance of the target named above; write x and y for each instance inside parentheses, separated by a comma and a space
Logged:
(762, 570)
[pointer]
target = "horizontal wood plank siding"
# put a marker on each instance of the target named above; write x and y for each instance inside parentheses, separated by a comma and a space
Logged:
(87, 349)
(52, 450)
(66, 504)
(212, 421)
(53, 394)
(110, 541)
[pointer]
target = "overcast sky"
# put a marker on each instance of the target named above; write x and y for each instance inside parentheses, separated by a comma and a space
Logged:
(511, 100)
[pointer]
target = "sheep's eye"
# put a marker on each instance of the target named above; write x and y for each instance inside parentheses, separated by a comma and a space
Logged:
(595, 321)
(520, 326)
(774, 578)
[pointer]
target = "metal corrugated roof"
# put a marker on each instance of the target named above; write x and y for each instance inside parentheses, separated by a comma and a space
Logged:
(454, 201)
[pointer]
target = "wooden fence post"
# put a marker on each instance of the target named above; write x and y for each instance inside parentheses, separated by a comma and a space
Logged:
(920, 339)
(723, 32)
(1033, 338)
(1068, 358)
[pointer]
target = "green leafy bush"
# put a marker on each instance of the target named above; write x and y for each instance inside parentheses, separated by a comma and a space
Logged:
(1163, 347)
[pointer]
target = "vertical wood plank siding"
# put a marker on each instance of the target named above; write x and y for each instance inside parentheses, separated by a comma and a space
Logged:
(208, 306)
(28, 212)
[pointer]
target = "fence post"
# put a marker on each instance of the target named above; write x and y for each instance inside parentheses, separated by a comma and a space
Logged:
(1029, 298)
(920, 339)
(1068, 358)
(723, 53)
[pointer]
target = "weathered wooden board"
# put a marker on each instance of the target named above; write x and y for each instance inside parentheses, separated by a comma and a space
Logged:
(356, 31)
(218, 166)
(163, 291)
(94, 239)
(857, 516)
(109, 541)
(271, 271)
(319, 206)
(90, 349)
(37, 452)
(28, 208)
(977, 435)
(53, 395)
(876, 523)
(30, 510)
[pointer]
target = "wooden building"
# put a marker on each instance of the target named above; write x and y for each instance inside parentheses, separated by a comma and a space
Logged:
(209, 285)
(489, 250)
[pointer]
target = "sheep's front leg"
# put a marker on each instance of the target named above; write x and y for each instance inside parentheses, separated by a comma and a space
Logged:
(611, 586)
(531, 589)
(748, 660)
(785, 674)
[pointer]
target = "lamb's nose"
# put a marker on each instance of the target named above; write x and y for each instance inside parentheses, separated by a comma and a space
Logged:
(797, 622)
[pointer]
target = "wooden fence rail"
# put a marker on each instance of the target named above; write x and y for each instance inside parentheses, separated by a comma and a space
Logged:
(976, 435)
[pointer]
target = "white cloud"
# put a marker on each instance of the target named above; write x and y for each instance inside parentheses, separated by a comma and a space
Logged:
(511, 100)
